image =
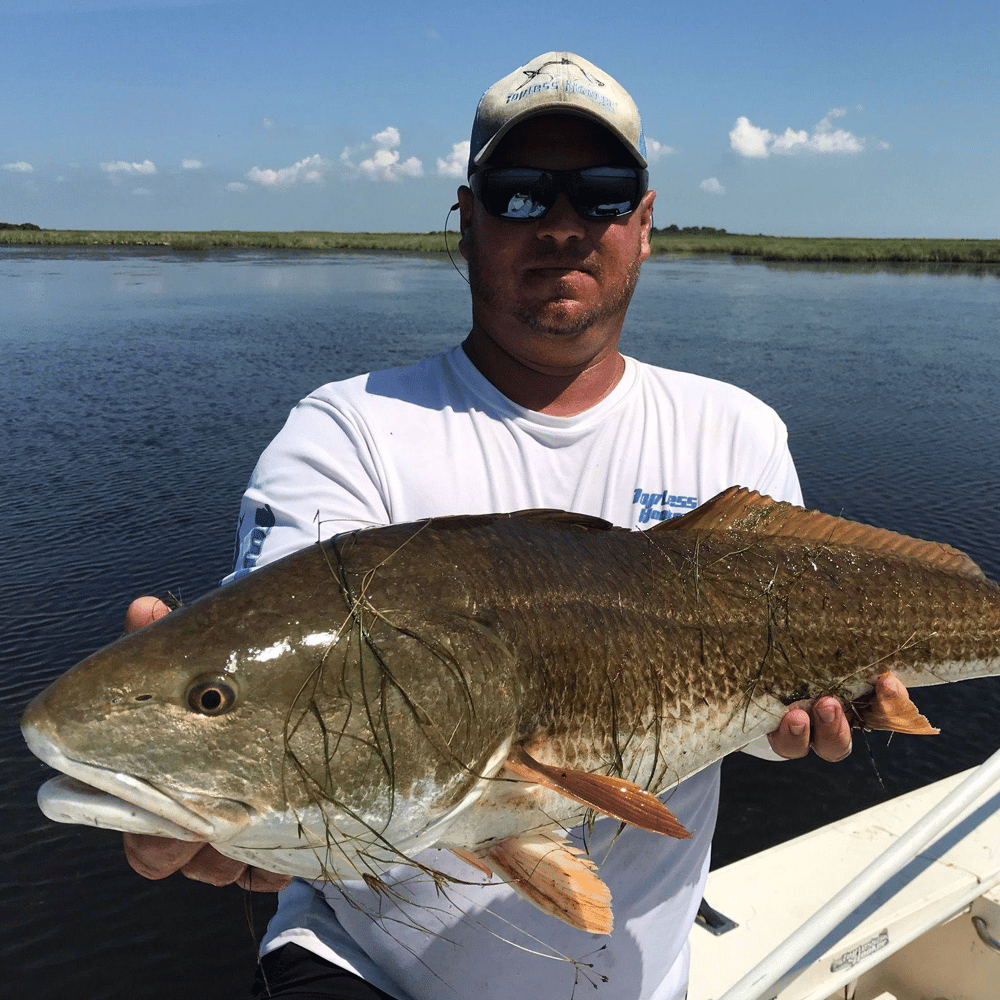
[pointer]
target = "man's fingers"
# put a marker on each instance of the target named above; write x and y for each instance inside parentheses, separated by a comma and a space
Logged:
(158, 857)
(258, 880)
(208, 865)
(791, 738)
(821, 725)
(144, 610)
(831, 732)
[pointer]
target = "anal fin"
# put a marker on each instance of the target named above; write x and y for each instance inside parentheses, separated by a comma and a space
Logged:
(471, 859)
(609, 795)
(892, 711)
(547, 870)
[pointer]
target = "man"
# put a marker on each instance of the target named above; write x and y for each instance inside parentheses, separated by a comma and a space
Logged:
(537, 408)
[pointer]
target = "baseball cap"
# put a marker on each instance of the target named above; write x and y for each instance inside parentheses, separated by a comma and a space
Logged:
(555, 83)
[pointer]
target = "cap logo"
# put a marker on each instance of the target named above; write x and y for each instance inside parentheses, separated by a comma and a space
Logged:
(532, 73)
(566, 86)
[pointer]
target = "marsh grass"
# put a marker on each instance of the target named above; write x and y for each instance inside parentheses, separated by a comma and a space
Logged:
(832, 249)
(768, 248)
(218, 239)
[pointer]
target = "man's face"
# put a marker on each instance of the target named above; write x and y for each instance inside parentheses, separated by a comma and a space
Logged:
(553, 292)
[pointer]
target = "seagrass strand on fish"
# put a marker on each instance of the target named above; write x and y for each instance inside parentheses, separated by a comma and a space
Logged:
(340, 754)
(836, 603)
(383, 775)
(480, 683)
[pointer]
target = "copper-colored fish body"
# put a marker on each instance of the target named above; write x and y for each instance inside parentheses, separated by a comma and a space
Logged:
(460, 682)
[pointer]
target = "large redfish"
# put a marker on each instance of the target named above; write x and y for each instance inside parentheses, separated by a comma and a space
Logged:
(481, 683)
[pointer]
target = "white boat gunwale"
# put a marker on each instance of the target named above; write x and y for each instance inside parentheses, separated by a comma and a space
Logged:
(957, 872)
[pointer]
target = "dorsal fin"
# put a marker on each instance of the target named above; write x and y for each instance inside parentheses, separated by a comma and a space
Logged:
(742, 510)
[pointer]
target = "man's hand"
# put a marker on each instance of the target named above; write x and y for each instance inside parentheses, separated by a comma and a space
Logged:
(822, 724)
(158, 857)
(143, 611)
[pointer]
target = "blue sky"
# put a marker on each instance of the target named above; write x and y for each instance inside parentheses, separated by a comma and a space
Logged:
(807, 118)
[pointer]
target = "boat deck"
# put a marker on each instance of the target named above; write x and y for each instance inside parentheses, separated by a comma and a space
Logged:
(914, 939)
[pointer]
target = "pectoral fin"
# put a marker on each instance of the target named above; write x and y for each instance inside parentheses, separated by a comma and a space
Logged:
(611, 796)
(545, 869)
(894, 712)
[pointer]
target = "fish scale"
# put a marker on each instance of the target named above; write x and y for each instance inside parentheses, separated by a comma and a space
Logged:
(481, 683)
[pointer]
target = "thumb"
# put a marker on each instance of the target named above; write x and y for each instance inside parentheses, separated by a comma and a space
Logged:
(144, 610)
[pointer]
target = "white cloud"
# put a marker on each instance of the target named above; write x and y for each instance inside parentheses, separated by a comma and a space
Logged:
(309, 171)
(385, 163)
(19, 168)
(142, 192)
(237, 186)
(387, 138)
(749, 140)
(457, 162)
(786, 143)
(118, 168)
(191, 164)
(657, 151)
(711, 185)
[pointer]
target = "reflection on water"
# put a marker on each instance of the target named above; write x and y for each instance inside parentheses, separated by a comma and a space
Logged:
(138, 387)
(35, 275)
(897, 269)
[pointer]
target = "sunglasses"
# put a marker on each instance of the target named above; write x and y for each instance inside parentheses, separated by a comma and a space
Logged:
(527, 194)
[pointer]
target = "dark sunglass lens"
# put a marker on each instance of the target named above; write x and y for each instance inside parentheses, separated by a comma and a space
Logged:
(526, 193)
(604, 193)
(512, 193)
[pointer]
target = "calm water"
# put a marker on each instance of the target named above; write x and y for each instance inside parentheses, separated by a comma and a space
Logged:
(138, 387)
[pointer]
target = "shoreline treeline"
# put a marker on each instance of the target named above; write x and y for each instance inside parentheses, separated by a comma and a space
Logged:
(687, 240)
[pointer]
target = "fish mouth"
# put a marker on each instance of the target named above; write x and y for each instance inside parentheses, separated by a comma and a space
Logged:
(90, 795)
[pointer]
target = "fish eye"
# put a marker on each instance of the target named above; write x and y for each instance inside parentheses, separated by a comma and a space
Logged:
(212, 696)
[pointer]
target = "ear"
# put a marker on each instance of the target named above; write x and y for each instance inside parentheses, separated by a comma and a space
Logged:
(645, 211)
(466, 207)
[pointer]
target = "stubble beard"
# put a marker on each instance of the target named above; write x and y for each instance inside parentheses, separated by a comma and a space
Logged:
(552, 317)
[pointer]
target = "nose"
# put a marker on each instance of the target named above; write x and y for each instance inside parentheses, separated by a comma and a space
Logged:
(561, 222)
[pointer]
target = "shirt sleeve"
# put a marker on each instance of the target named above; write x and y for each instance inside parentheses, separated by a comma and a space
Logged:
(779, 478)
(759, 451)
(318, 477)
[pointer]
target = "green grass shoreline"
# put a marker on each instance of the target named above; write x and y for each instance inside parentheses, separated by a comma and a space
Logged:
(769, 248)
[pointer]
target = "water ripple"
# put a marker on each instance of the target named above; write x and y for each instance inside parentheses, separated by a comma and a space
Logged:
(136, 391)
